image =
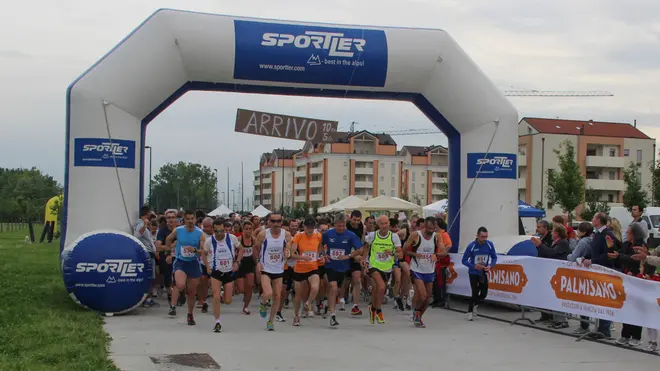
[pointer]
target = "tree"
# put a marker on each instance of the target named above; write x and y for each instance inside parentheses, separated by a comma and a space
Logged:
(301, 210)
(654, 186)
(539, 205)
(566, 184)
(184, 185)
(25, 193)
(592, 205)
(315, 207)
(634, 194)
(417, 199)
(444, 189)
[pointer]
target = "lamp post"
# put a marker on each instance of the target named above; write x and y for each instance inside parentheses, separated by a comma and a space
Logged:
(150, 151)
(223, 198)
(233, 202)
(216, 186)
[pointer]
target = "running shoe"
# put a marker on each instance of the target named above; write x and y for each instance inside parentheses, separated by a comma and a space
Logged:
(355, 311)
(342, 304)
(149, 303)
(262, 311)
(205, 308)
(333, 321)
(310, 311)
(421, 323)
(246, 311)
(182, 300)
(469, 316)
(634, 343)
(417, 322)
(296, 321)
(172, 311)
(269, 326)
(580, 331)
(191, 320)
(652, 346)
(279, 318)
(217, 327)
(325, 311)
(399, 304)
(372, 315)
(380, 318)
(622, 341)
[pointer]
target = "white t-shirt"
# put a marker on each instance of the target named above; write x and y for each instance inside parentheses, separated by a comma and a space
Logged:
(395, 238)
(222, 259)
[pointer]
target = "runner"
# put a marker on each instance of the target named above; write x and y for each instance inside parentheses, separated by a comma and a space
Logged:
(396, 269)
(203, 286)
(164, 255)
(342, 247)
(306, 249)
(424, 247)
(355, 271)
(287, 280)
(247, 266)
(406, 280)
(222, 255)
(379, 250)
(275, 248)
(187, 270)
(321, 298)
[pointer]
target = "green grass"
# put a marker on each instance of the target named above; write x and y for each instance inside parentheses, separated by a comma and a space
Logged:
(41, 328)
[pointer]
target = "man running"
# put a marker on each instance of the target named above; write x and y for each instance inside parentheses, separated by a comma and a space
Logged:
(380, 249)
(355, 271)
(164, 256)
(187, 270)
(342, 246)
(424, 247)
(223, 252)
(480, 257)
(275, 245)
(245, 275)
(203, 286)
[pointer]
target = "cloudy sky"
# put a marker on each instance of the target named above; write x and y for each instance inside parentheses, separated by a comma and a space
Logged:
(547, 45)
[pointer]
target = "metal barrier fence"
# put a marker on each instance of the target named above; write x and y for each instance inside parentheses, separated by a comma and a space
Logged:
(11, 227)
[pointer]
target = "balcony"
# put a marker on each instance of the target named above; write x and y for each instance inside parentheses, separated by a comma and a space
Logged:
(266, 180)
(302, 198)
(364, 170)
(266, 191)
(300, 186)
(256, 182)
(265, 201)
(606, 161)
(316, 170)
(522, 183)
(364, 184)
(522, 160)
(437, 191)
(437, 179)
(316, 197)
(605, 184)
(301, 173)
(316, 184)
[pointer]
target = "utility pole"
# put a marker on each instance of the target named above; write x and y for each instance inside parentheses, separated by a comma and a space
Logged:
(233, 200)
(150, 177)
(282, 163)
(242, 186)
(228, 184)
(217, 202)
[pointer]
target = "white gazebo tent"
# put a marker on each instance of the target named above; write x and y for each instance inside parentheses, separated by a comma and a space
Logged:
(436, 207)
(221, 210)
(260, 211)
(348, 203)
(385, 203)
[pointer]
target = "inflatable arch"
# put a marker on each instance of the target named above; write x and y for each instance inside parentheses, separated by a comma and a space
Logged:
(172, 52)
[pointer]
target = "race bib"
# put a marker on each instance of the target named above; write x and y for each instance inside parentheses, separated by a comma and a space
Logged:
(311, 254)
(382, 257)
(247, 251)
(335, 254)
(481, 259)
(186, 254)
(224, 264)
(426, 258)
(274, 257)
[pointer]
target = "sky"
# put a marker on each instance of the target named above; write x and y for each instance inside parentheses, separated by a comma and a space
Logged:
(607, 45)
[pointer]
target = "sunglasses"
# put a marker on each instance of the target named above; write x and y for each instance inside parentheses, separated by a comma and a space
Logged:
(219, 230)
(276, 220)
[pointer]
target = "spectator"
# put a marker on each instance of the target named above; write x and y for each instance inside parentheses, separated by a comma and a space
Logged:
(142, 231)
(614, 225)
(582, 249)
(559, 250)
(598, 255)
(440, 284)
(543, 235)
(630, 334)
(636, 213)
(570, 232)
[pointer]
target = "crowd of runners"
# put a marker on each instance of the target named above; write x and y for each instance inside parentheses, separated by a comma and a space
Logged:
(320, 264)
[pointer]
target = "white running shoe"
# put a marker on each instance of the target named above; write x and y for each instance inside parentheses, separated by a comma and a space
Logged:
(469, 316)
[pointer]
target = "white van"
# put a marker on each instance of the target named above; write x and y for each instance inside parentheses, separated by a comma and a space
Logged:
(651, 215)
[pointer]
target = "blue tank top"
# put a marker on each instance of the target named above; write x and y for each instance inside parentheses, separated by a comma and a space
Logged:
(185, 238)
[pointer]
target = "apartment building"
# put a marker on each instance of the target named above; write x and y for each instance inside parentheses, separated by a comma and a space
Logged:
(273, 182)
(603, 151)
(361, 163)
(425, 172)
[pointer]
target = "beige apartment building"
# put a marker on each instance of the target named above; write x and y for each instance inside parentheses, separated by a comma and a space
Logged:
(361, 163)
(603, 151)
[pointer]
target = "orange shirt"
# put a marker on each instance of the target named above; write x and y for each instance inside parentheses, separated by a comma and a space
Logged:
(307, 246)
(446, 240)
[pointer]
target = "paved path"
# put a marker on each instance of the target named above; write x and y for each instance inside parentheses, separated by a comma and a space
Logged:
(356, 345)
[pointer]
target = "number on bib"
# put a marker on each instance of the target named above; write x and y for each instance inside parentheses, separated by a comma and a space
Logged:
(311, 254)
(335, 254)
(275, 257)
(223, 264)
(247, 251)
(381, 256)
(426, 258)
(186, 254)
(481, 259)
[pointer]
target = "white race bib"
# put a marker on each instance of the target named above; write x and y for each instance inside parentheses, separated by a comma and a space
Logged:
(425, 258)
(223, 264)
(311, 254)
(247, 252)
(382, 257)
(186, 254)
(335, 254)
(481, 259)
(275, 257)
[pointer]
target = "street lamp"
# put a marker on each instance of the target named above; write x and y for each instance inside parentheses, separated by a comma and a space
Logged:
(149, 148)
(223, 198)
(233, 202)
(216, 186)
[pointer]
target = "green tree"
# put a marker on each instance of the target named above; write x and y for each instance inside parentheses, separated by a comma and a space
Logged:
(634, 194)
(654, 186)
(315, 207)
(444, 189)
(593, 205)
(301, 210)
(566, 184)
(417, 199)
(539, 205)
(25, 193)
(184, 185)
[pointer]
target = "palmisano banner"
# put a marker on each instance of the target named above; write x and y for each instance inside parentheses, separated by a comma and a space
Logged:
(562, 286)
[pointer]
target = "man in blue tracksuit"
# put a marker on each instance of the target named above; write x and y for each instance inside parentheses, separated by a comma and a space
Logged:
(480, 257)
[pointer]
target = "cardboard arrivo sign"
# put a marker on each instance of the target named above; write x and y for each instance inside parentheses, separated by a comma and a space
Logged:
(283, 126)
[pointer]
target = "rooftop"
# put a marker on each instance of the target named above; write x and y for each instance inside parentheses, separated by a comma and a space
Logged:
(581, 127)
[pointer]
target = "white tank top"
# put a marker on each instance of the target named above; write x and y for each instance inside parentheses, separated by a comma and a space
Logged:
(426, 249)
(222, 259)
(272, 253)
